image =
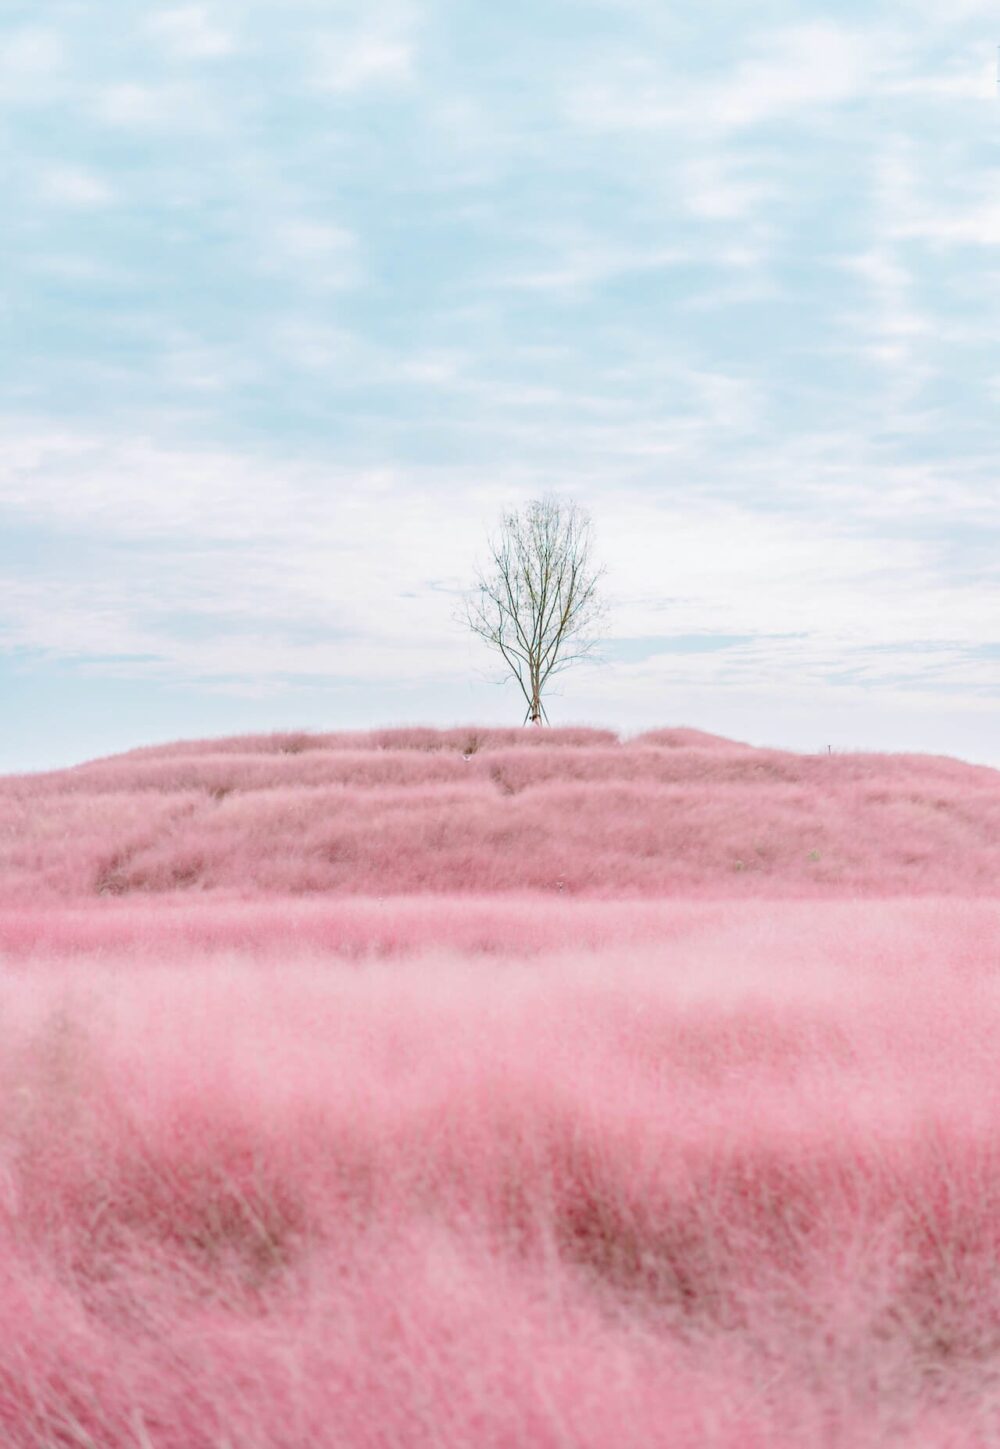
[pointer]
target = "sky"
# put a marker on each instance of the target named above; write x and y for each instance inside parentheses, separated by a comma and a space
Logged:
(299, 295)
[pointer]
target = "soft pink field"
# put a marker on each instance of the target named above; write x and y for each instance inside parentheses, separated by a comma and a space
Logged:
(553, 811)
(499, 1168)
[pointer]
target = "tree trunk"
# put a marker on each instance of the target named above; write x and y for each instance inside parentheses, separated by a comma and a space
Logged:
(535, 708)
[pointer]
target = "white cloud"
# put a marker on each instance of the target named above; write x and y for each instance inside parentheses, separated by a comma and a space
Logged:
(796, 69)
(805, 66)
(727, 401)
(190, 365)
(437, 368)
(948, 13)
(31, 58)
(323, 256)
(66, 617)
(893, 332)
(74, 186)
(970, 77)
(926, 197)
(818, 597)
(169, 106)
(348, 63)
(576, 263)
(128, 103)
(717, 187)
(309, 240)
(316, 346)
(976, 224)
(189, 32)
(275, 548)
(280, 546)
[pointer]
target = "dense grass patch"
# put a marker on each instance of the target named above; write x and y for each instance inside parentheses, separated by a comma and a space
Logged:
(495, 1167)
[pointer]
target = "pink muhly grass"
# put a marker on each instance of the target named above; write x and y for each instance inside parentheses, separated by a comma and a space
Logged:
(484, 811)
(572, 1201)
(385, 1090)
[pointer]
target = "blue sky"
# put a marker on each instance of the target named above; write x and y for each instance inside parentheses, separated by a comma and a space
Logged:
(297, 297)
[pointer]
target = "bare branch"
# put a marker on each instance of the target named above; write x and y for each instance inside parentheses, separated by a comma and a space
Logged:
(537, 600)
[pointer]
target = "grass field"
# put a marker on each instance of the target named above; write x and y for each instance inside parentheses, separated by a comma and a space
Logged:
(499, 1089)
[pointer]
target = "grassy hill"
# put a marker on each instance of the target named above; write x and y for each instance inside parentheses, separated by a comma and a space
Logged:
(673, 812)
(422, 1089)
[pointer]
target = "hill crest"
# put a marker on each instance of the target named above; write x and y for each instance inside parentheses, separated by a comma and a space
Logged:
(470, 810)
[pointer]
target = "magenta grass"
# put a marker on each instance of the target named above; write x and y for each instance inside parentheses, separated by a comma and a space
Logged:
(498, 1167)
(674, 813)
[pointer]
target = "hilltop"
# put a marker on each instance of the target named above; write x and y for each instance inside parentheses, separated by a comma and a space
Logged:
(560, 811)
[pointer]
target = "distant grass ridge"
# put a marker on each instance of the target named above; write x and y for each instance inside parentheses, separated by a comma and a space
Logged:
(478, 811)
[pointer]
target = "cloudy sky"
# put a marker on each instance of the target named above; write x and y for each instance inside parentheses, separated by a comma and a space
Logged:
(299, 294)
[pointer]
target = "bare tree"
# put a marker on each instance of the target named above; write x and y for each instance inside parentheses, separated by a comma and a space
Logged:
(536, 602)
